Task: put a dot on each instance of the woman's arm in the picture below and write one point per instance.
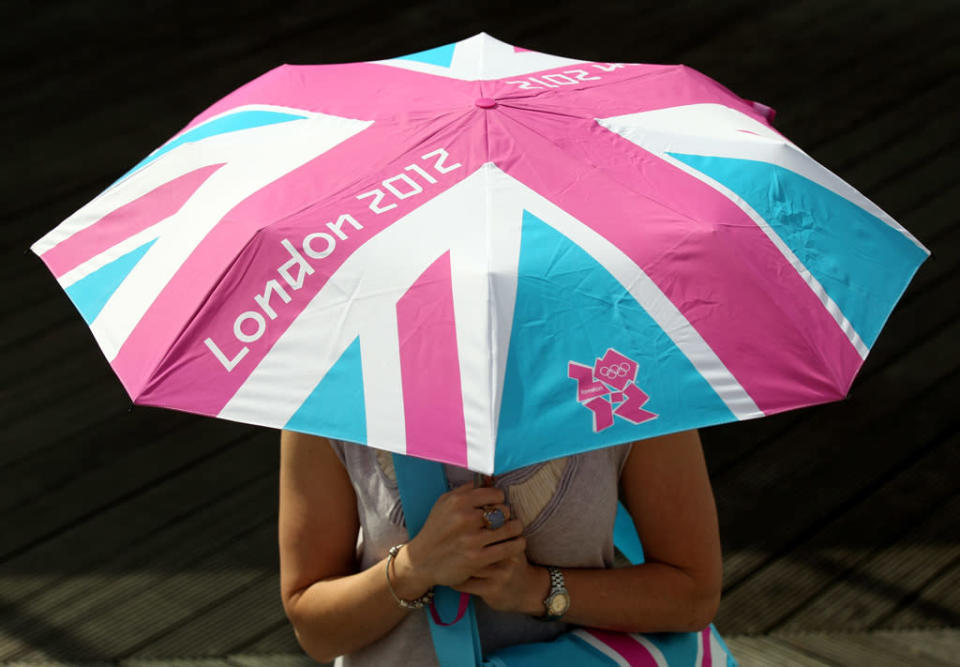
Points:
(666, 488)
(667, 491)
(333, 608)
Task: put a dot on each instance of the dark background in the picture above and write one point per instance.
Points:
(150, 533)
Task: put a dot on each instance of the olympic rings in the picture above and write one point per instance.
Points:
(615, 370)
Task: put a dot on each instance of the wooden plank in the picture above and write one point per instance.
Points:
(94, 400)
(37, 285)
(767, 651)
(860, 78)
(933, 217)
(800, 590)
(50, 423)
(37, 319)
(25, 480)
(225, 627)
(744, 61)
(726, 446)
(36, 374)
(63, 377)
(32, 367)
(114, 528)
(889, 123)
(97, 416)
(176, 662)
(941, 644)
(276, 660)
(929, 179)
(858, 72)
(882, 77)
(118, 629)
(876, 586)
(54, 663)
(681, 31)
(128, 475)
(45, 615)
(905, 155)
(834, 454)
(936, 605)
(862, 649)
(281, 639)
(252, 28)
(35, 64)
(57, 335)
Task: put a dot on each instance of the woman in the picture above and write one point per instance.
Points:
(560, 514)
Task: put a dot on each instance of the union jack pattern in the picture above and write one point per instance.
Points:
(413, 253)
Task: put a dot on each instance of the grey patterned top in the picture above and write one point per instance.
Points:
(567, 505)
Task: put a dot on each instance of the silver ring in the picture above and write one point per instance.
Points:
(494, 518)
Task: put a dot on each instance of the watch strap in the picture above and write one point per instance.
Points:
(557, 587)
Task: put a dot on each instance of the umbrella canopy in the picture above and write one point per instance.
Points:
(483, 255)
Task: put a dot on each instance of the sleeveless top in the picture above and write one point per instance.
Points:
(567, 506)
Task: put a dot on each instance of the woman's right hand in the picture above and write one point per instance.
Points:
(455, 543)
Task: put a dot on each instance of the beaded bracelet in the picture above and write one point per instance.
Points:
(421, 601)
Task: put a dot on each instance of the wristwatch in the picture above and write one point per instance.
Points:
(558, 600)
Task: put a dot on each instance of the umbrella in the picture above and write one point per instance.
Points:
(483, 255)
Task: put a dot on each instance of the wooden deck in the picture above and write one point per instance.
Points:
(149, 536)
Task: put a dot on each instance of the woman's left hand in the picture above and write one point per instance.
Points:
(513, 584)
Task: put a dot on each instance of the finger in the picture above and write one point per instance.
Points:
(471, 586)
(489, 571)
(509, 530)
(484, 495)
(504, 550)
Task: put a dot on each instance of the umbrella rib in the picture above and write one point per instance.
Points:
(598, 168)
(661, 70)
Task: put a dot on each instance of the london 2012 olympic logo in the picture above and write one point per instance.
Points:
(609, 388)
(614, 371)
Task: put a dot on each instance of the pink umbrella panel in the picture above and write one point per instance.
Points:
(483, 255)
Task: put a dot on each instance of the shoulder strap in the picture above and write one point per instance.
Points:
(457, 643)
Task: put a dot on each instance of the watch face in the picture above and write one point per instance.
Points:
(559, 603)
